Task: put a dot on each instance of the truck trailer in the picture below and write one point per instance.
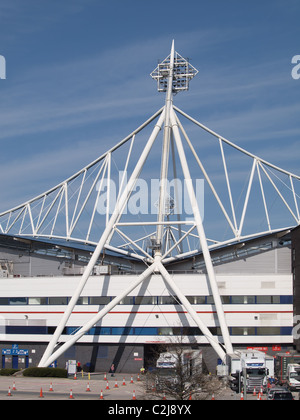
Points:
(251, 367)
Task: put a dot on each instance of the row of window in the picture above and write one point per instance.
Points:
(147, 300)
(148, 331)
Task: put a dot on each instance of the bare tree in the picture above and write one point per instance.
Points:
(184, 378)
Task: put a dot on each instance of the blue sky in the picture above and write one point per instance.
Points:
(78, 79)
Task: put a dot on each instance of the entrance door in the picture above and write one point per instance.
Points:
(15, 362)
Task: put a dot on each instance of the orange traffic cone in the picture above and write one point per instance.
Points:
(71, 395)
(190, 397)
(107, 386)
(131, 380)
(51, 387)
(101, 395)
(124, 383)
(254, 392)
(213, 397)
(75, 376)
(88, 389)
(9, 392)
(14, 387)
(133, 396)
(41, 393)
(105, 378)
(138, 378)
(116, 384)
(242, 396)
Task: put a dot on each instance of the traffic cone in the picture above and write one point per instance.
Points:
(105, 378)
(138, 378)
(131, 380)
(41, 393)
(101, 395)
(14, 387)
(190, 397)
(133, 396)
(242, 396)
(116, 384)
(71, 395)
(258, 397)
(88, 389)
(107, 386)
(254, 392)
(123, 382)
(75, 376)
(51, 387)
(213, 397)
(9, 392)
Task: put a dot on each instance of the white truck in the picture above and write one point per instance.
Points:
(293, 377)
(255, 368)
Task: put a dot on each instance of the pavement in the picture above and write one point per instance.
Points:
(99, 386)
(81, 388)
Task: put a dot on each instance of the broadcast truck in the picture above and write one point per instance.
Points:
(249, 370)
(168, 363)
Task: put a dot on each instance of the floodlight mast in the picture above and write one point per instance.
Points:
(172, 76)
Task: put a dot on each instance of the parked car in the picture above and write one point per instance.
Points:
(280, 394)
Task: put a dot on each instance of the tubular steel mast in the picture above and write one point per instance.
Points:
(172, 76)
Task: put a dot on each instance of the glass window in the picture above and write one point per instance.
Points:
(268, 331)
(128, 300)
(286, 300)
(58, 301)
(145, 331)
(4, 301)
(225, 299)
(165, 331)
(37, 301)
(18, 301)
(196, 300)
(243, 331)
(99, 300)
(263, 299)
(83, 300)
(168, 300)
(145, 300)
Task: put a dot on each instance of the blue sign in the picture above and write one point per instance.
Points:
(15, 352)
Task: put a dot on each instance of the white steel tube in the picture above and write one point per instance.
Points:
(165, 152)
(211, 339)
(85, 328)
(202, 237)
(119, 208)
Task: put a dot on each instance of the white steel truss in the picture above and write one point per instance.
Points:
(70, 210)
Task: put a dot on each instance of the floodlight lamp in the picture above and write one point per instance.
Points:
(182, 73)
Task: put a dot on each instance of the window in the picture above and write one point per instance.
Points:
(168, 300)
(243, 331)
(128, 300)
(99, 300)
(83, 300)
(58, 301)
(18, 301)
(146, 300)
(196, 300)
(37, 301)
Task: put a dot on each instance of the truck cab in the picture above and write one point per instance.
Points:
(293, 377)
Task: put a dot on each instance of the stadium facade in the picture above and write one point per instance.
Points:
(256, 280)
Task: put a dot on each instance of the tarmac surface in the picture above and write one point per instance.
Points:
(121, 387)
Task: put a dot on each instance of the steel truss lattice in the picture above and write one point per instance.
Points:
(70, 210)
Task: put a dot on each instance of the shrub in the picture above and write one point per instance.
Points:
(8, 372)
(46, 372)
